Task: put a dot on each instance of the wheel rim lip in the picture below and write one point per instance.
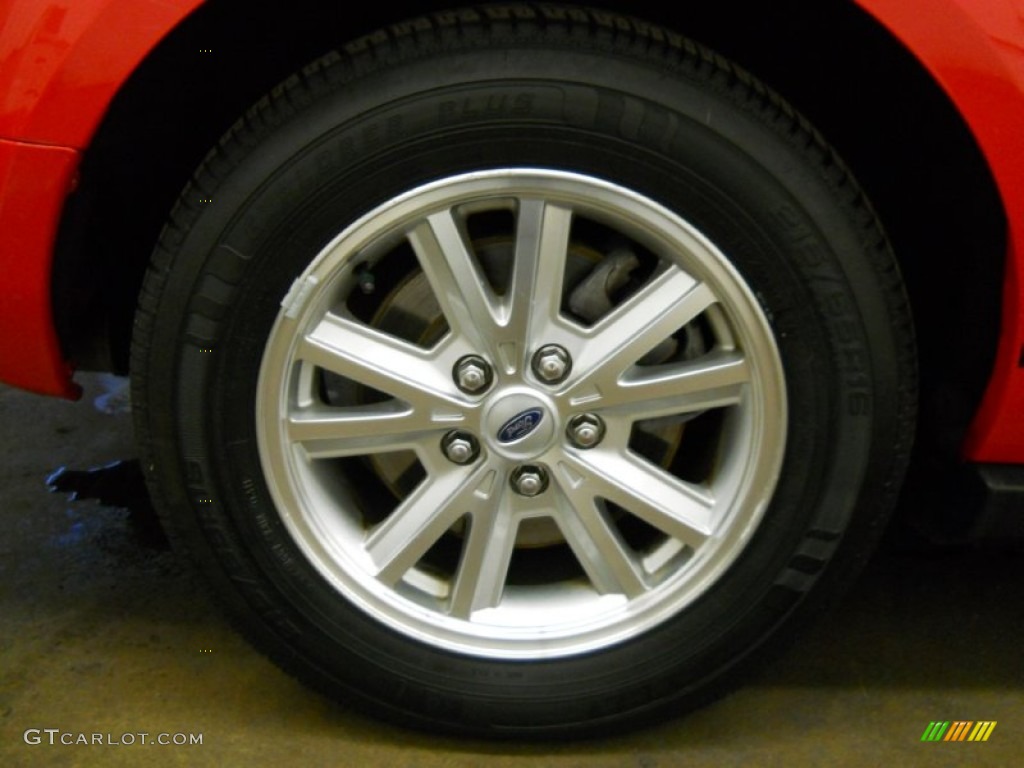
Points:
(601, 621)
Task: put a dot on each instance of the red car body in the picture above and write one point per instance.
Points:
(63, 62)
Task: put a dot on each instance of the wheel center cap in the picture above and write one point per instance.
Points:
(519, 424)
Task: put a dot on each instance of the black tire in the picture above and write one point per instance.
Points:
(664, 152)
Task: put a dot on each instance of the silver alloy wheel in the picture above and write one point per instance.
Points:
(640, 532)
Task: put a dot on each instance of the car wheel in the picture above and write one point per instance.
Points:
(523, 370)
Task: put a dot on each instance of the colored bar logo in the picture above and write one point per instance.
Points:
(959, 730)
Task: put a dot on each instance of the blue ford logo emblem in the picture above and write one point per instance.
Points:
(520, 425)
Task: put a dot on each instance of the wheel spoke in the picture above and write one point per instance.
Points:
(325, 432)
(542, 244)
(714, 381)
(378, 360)
(461, 289)
(678, 509)
(501, 326)
(598, 546)
(661, 308)
(398, 543)
(486, 555)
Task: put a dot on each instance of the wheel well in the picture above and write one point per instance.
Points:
(898, 131)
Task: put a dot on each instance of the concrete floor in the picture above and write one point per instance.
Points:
(103, 630)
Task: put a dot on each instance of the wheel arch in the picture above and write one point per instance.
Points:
(204, 74)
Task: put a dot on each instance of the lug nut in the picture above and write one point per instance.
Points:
(460, 447)
(529, 480)
(472, 374)
(585, 430)
(552, 363)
